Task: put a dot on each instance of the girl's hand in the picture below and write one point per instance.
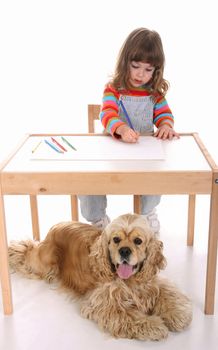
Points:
(127, 134)
(166, 132)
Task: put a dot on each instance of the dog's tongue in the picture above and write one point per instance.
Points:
(124, 271)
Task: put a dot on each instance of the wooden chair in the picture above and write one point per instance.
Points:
(93, 114)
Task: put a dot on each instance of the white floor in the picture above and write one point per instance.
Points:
(47, 319)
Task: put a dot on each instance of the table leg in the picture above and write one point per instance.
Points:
(137, 204)
(4, 268)
(74, 207)
(191, 219)
(212, 248)
(35, 217)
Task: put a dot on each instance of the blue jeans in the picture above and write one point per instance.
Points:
(93, 208)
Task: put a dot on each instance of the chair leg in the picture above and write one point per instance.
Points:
(35, 217)
(191, 219)
(74, 207)
(137, 204)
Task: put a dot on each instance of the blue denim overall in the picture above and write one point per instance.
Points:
(140, 111)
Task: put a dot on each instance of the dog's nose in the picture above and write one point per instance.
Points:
(125, 252)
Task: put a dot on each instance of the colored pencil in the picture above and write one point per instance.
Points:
(38, 144)
(68, 143)
(53, 147)
(58, 144)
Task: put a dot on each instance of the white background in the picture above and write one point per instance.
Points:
(56, 56)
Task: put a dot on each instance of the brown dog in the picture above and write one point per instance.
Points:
(114, 273)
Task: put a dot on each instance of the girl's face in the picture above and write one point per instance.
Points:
(140, 73)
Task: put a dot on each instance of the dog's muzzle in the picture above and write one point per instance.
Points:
(124, 269)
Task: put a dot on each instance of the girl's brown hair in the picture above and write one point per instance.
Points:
(142, 45)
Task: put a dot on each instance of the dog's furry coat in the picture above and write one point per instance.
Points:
(114, 273)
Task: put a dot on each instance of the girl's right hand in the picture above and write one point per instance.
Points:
(127, 134)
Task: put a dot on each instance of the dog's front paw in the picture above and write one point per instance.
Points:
(178, 321)
(153, 328)
(178, 318)
(173, 306)
(145, 328)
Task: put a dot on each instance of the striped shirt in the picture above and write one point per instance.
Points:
(110, 116)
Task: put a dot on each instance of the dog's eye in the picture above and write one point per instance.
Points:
(116, 239)
(137, 241)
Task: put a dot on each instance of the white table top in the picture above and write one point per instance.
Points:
(181, 154)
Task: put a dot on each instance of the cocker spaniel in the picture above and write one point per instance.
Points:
(114, 273)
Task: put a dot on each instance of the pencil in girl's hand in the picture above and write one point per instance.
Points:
(38, 144)
(68, 143)
(58, 144)
(126, 115)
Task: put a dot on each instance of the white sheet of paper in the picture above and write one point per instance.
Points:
(100, 148)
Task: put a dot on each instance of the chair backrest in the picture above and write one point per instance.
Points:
(93, 114)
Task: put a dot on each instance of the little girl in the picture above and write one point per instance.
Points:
(136, 92)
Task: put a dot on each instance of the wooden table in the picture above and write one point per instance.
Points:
(187, 169)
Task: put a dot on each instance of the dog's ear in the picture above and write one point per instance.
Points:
(154, 252)
(154, 260)
(99, 259)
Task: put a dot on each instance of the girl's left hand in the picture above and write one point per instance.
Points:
(166, 132)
